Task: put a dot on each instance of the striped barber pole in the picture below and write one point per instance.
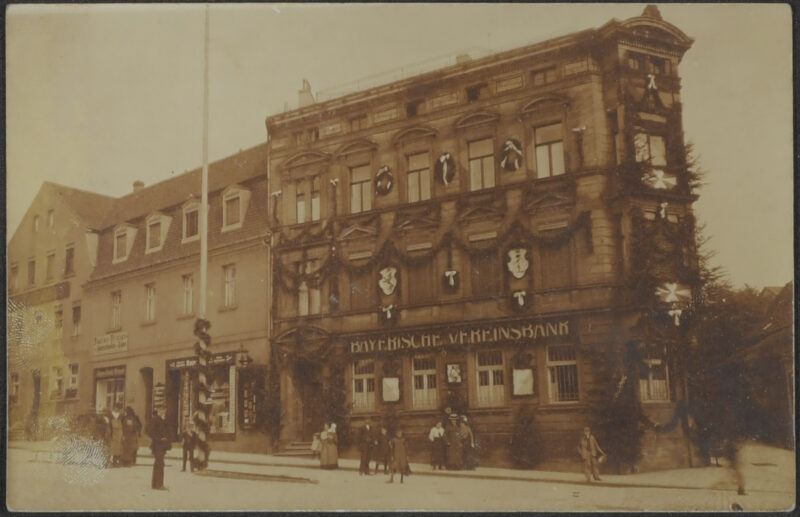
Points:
(201, 416)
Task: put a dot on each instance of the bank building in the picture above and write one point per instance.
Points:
(464, 242)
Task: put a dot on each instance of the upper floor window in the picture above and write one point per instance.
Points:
(57, 382)
(360, 189)
(481, 164)
(31, 272)
(76, 320)
(421, 282)
(419, 177)
(188, 294)
(229, 285)
(58, 320)
(658, 66)
(191, 222)
(485, 273)
(150, 302)
(49, 265)
(157, 229)
(234, 206)
(635, 61)
(556, 264)
(359, 122)
(562, 367)
(116, 310)
(412, 108)
(650, 149)
(51, 218)
(35, 223)
(362, 290)
(549, 145)
(653, 377)
(543, 76)
(14, 283)
(309, 299)
(69, 260)
(305, 189)
(491, 378)
(476, 92)
(124, 236)
(154, 235)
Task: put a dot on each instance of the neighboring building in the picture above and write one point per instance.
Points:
(50, 257)
(463, 241)
(143, 300)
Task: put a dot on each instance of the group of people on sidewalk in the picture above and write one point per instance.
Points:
(453, 447)
(120, 431)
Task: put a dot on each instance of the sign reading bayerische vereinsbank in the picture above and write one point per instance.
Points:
(454, 335)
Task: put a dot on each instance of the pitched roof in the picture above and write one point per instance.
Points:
(91, 207)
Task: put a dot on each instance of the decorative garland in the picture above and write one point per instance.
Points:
(445, 169)
(384, 180)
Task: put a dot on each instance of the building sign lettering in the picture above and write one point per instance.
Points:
(470, 335)
(190, 362)
(110, 343)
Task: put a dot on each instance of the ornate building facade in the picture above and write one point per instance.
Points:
(500, 233)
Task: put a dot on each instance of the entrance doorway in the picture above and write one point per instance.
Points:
(308, 378)
(147, 382)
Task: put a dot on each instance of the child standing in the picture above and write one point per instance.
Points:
(189, 439)
(399, 457)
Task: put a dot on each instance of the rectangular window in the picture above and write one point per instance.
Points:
(57, 382)
(476, 92)
(358, 123)
(364, 385)
(300, 201)
(69, 260)
(72, 382)
(481, 164)
(58, 321)
(232, 208)
(50, 264)
(362, 290)
(191, 223)
(491, 379)
(14, 391)
(229, 285)
(650, 149)
(360, 189)
(309, 299)
(653, 378)
(420, 282)
(116, 310)
(76, 320)
(154, 235)
(35, 223)
(188, 294)
(549, 145)
(14, 283)
(556, 264)
(425, 392)
(634, 61)
(31, 272)
(150, 302)
(120, 244)
(543, 76)
(419, 177)
(562, 367)
(485, 273)
(315, 198)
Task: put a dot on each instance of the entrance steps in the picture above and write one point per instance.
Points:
(297, 449)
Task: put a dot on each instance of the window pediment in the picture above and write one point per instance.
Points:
(304, 158)
(413, 133)
(648, 27)
(476, 118)
(545, 103)
(356, 146)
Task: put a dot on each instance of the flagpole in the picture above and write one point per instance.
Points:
(204, 185)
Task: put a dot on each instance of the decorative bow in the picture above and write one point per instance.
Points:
(673, 292)
(334, 181)
(676, 315)
(651, 85)
(443, 159)
(451, 276)
(520, 296)
(388, 311)
(277, 193)
(508, 149)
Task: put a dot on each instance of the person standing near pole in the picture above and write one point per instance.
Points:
(159, 445)
(591, 453)
(366, 444)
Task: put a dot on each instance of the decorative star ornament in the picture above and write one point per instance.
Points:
(658, 179)
(673, 293)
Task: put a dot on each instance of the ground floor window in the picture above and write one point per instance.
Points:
(425, 393)
(364, 385)
(562, 366)
(251, 397)
(491, 378)
(223, 394)
(653, 377)
(109, 386)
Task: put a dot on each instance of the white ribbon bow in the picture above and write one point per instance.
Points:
(443, 158)
(520, 296)
(451, 276)
(676, 314)
(651, 85)
(388, 311)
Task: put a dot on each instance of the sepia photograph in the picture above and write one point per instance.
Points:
(476, 257)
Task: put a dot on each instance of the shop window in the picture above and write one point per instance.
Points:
(562, 367)
(481, 164)
(76, 320)
(653, 377)
(49, 266)
(650, 149)
(485, 273)
(13, 396)
(116, 310)
(188, 294)
(229, 285)
(309, 299)
(150, 302)
(543, 76)
(191, 222)
(56, 382)
(491, 379)
(549, 146)
(421, 282)
(419, 177)
(69, 260)
(31, 272)
(13, 285)
(251, 398)
(556, 263)
(425, 393)
(362, 290)
(364, 385)
(360, 189)
(72, 382)
(223, 388)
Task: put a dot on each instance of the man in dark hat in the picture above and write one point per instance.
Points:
(160, 444)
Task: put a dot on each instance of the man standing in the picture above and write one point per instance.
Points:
(591, 453)
(189, 440)
(159, 445)
(366, 442)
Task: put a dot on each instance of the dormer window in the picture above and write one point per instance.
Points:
(191, 222)
(157, 227)
(234, 205)
(123, 240)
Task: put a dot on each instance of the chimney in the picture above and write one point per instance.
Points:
(463, 58)
(138, 185)
(306, 98)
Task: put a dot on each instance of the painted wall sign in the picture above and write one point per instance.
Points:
(191, 362)
(530, 330)
(110, 343)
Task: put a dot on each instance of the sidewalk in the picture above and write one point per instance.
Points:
(768, 469)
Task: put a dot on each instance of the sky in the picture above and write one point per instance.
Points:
(100, 96)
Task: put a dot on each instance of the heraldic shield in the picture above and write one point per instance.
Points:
(388, 280)
(517, 263)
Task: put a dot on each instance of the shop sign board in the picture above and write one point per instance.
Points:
(111, 343)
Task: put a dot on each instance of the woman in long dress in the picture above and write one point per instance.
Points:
(455, 447)
(399, 456)
(130, 437)
(436, 437)
(329, 455)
